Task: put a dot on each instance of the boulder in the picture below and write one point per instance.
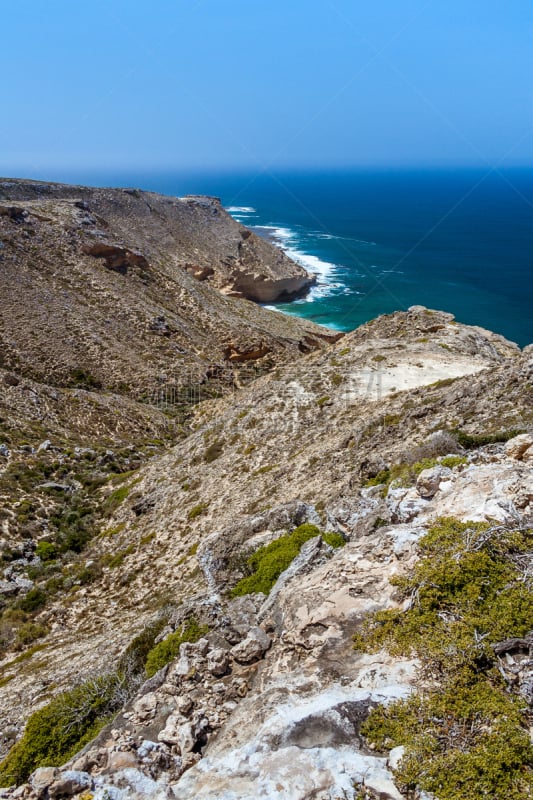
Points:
(179, 732)
(405, 504)
(252, 647)
(42, 778)
(8, 588)
(382, 786)
(395, 756)
(518, 446)
(145, 707)
(429, 480)
(218, 662)
(69, 783)
(14, 213)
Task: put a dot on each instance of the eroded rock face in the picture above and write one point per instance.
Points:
(116, 257)
(263, 289)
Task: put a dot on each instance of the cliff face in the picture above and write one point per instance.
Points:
(369, 439)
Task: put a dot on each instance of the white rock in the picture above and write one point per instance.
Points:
(218, 662)
(184, 704)
(146, 747)
(250, 649)
(382, 785)
(395, 756)
(186, 738)
(146, 705)
(201, 647)
(405, 504)
(169, 734)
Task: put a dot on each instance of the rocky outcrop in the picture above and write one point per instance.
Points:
(117, 258)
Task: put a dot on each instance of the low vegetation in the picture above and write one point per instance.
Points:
(465, 734)
(68, 492)
(405, 474)
(164, 652)
(197, 511)
(268, 562)
(470, 441)
(56, 732)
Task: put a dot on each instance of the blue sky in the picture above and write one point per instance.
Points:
(165, 84)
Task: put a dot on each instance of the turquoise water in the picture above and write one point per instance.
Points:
(381, 241)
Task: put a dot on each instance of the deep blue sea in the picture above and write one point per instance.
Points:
(380, 241)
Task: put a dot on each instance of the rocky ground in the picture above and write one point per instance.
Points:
(373, 437)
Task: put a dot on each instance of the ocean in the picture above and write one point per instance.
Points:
(382, 240)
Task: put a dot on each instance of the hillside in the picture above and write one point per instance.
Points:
(132, 291)
(128, 529)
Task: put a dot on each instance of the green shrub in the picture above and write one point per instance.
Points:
(114, 560)
(82, 378)
(214, 451)
(116, 498)
(465, 735)
(453, 461)
(470, 441)
(29, 632)
(383, 477)
(56, 732)
(405, 475)
(46, 551)
(196, 511)
(136, 653)
(32, 601)
(168, 649)
(334, 539)
(268, 562)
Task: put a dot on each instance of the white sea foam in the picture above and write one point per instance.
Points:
(279, 235)
(325, 271)
(241, 210)
(327, 236)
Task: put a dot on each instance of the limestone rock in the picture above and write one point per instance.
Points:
(405, 504)
(218, 662)
(42, 778)
(429, 480)
(382, 786)
(252, 648)
(519, 446)
(395, 756)
(69, 783)
(146, 705)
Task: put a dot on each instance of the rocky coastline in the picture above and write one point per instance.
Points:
(186, 585)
